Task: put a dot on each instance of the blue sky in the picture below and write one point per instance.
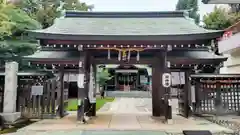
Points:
(142, 5)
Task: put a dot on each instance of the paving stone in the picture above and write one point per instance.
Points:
(120, 132)
(123, 114)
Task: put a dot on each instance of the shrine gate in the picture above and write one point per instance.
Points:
(168, 41)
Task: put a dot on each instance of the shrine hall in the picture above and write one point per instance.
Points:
(167, 41)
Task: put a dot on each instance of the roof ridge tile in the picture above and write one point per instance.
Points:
(148, 14)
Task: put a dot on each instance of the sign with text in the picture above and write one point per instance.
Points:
(37, 90)
(80, 81)
(166, 80)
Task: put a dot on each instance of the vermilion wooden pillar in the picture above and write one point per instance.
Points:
(158, 68)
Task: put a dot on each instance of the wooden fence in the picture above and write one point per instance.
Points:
(217, 95)
(31, 103)
(38, 105)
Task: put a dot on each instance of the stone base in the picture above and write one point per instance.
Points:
(169, 121)
(48, 116)
(11, 117)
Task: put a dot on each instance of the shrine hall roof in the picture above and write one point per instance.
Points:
(125, 26)
(56, 55)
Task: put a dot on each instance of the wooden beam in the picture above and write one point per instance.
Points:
(116, 61)
(123, 42)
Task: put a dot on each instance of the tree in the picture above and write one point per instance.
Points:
(46, 11)
(12, 43)
(191, 6)
(21, 20)
(5, 23)
(103, 76)
(220, 19)
(75, 5)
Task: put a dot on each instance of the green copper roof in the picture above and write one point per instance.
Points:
(124, 26)
(123, 23)
(56, 55)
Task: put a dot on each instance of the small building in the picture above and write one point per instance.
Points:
(128, 77)
(229, 45)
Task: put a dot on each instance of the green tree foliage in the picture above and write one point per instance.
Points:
(14, 48)
(21, 20)
(46, 11)
(220, 19)
(17, 21)
(191, 6)
(5, 22)
(103, 76)
(75, 5)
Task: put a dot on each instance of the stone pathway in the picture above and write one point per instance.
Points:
(131, 114)
(129, 94)
(128, 106)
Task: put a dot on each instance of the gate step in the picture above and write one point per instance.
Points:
(197, 132)
(129, 94)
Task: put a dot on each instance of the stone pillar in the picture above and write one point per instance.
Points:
(157, 89)
(10, 92)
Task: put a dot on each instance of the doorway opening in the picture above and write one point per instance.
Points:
(72, 90)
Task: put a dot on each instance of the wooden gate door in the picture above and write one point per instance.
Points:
(183, 101)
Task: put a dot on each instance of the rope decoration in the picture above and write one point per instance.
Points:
(123, 52)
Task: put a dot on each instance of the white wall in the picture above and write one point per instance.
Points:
(232, 65)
